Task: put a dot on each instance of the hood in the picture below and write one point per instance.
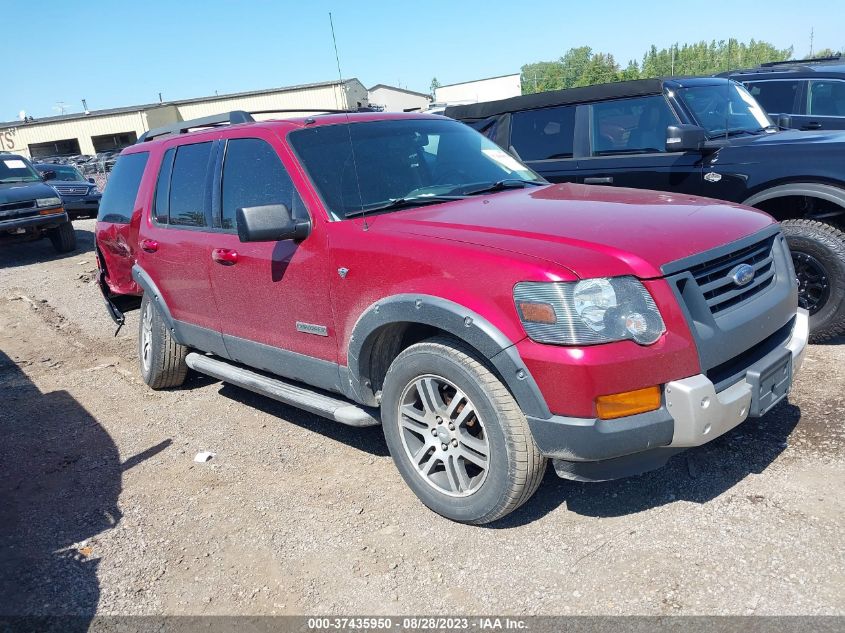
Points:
(23, 191)
(812, 138)
(592, 231)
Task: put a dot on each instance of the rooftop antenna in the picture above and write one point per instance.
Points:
(60, 107)
(348, 126)
(85, 106)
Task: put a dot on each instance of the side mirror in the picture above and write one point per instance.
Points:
(784, 121)
(92, 181)
(685, 138)
(48, 175)
(270, 223)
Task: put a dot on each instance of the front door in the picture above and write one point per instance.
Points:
(273, 297)
(627, 148)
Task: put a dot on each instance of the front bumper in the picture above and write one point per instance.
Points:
(33, 222)
(81, 203)
(693, 413)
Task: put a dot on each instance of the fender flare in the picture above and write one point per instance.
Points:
(831, 193)
(460, 322)
(149, 287)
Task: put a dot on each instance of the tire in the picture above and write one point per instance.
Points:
(63, 238)
(486, 417)
(818, 251)
(162, 359)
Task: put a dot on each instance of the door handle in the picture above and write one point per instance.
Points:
(812, 125)
(149, 246)
(225, 256)
(600, 180)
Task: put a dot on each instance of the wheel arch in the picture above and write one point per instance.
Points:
(150, 288)
(830, 194)
(391, 325)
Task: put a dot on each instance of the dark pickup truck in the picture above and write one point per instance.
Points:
(29, 208)
(701, 136)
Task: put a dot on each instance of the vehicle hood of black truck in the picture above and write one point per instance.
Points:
(24, 191)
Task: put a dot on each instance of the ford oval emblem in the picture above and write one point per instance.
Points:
(742, 274)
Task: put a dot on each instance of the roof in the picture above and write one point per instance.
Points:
(569, 96)
(397, 89)
(818, 65)
(474, 81)
(150, 106)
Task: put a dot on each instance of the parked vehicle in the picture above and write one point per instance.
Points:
(403, 270)
(703, 136)
(809, 93)
(29, 208)
(80, 196)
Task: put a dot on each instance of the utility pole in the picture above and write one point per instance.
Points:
(812, 34)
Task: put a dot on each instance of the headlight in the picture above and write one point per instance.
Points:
(93, 191)
(588, 312)
(48, 202)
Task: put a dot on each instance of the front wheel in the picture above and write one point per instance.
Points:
(63, 238)
(456, 434)
(818, 253)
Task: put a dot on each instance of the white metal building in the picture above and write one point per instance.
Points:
(489, 89)
(102, 130)
(394, 99)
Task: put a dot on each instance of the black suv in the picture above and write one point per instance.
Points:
(702, 136)
(811, 93)
(29, 207)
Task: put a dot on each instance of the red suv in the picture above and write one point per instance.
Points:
(403, 270)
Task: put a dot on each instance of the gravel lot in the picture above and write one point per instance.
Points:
(102, 509)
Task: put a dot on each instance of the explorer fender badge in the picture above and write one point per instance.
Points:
(712, 176)
(310, 328)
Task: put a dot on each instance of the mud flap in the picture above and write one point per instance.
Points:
(118, 304)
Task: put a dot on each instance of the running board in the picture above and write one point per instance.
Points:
(327, 406)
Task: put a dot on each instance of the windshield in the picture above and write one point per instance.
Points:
(64, 173)
(16, 169)
(725, 109)
(369, 165)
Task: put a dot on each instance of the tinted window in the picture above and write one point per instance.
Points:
(253, 176)
(777, 97)
(543, 134)
(119, 196)
(826, 98)
(631, 126)
(187, 185)
(162, 200)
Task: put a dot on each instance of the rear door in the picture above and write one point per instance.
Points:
(544, 139)
(824, 106)
(175, 244)
(627, 147)
(273, 297)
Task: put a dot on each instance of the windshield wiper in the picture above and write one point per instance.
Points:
(501, 185)
(402, 203)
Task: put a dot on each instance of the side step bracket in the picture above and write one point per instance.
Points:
(330, 407)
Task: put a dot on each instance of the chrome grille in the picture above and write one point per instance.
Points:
(71, 190)
(719, 289)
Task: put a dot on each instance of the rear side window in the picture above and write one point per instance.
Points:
(776, 97)
(826, 98)
(188, 185)
(544, 134)
(162, 200)
(253, 175)
(631, 126)
(118, 200)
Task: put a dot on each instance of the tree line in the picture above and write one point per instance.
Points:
(582, 66)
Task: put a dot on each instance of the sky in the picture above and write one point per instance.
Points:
(119, 53)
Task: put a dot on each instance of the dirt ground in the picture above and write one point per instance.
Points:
(103, 510)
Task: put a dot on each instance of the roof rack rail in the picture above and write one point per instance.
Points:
(321, 110)
(181, 127)
(802, 62)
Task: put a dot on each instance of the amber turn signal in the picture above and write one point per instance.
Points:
(535, 312)
(51, 211)
(618, 405)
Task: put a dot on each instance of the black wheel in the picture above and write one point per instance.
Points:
(818, 252)
(456, 434)
(162, 359)
(63, 238)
